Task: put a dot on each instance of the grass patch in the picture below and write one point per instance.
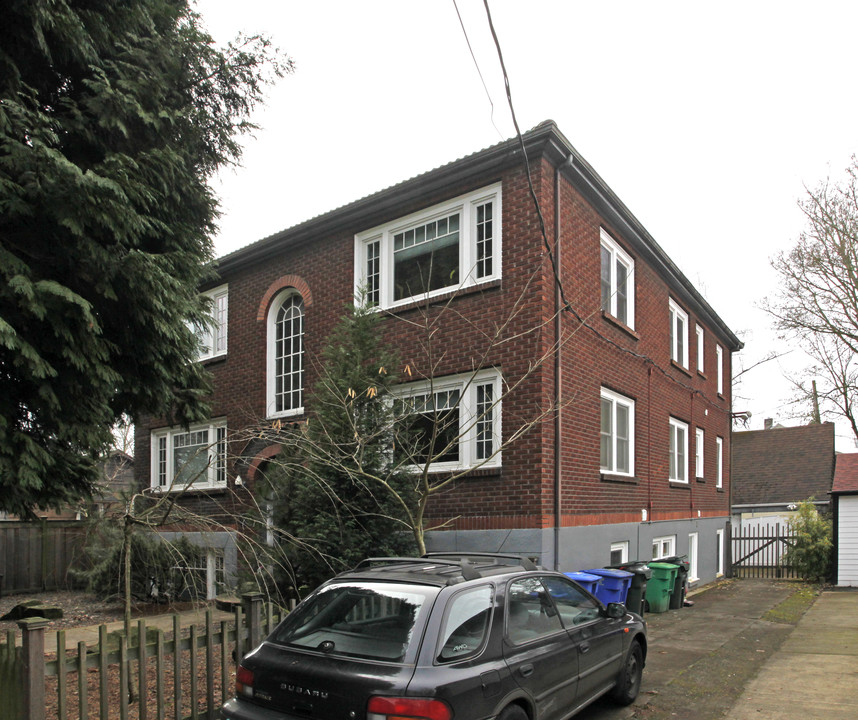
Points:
(789, 611)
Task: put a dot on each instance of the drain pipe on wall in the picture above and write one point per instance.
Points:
(558, 368)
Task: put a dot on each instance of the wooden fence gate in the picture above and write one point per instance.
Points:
(760, 552)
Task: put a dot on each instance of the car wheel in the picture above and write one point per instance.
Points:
(629, 681)
(513, 712)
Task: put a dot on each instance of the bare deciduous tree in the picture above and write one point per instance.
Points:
(817, 303)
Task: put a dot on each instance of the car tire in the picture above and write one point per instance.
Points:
(629, 680)
(513, 712)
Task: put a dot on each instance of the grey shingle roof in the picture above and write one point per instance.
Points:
(783, 465)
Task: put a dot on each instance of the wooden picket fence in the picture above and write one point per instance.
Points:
(186, 673)
(759, 552)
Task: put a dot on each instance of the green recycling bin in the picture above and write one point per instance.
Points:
(660, 586)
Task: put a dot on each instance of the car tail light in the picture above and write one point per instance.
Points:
(244, 682)
(388, 708)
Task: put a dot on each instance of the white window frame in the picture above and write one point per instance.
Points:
(213, 338)
(271, 357)
(699, 440)
(719, 360)
(692, 557)
(163, 447)
(470, 419)
(663, 547)
(618, 255)
(719, 462)
(374, 265)
(678, 451)
(678, 354)
(719, 545)
(698, 330)
(617, 399)
(621, 547)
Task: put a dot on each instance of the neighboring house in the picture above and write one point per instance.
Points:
(844, 499)
(777, 468)
(635, 465)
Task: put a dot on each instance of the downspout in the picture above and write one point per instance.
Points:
(558, 367)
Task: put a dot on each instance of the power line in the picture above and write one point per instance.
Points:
(479, 72)
(567, 306)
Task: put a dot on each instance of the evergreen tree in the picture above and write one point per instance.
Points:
(113, 117)
(337, 495)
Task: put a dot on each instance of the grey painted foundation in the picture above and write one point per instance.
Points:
(581, 548)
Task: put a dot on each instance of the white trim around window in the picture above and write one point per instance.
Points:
(616, 434)
(472, 405)
(619, 552)
(678, 333)
(692, 557)
(698, 330)
(719, 361)
(617, 280)
(698, 453)
(192, 458)
(719, 460)
(678, 471)
(719, 549)
(452, 245)
(213, 337)
(663, 547)
(285, 356)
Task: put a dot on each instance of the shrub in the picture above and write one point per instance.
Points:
(812, 550)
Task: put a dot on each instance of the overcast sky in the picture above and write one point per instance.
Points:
(707, 119)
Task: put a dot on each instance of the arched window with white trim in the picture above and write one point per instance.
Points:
(285, 372)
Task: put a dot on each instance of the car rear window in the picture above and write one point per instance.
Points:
(375, 621)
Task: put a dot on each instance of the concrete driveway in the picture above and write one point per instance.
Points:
(747, 649)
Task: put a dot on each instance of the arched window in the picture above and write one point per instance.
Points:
(286, 355)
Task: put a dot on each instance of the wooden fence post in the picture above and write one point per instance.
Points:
(33, 667)
(252, 603)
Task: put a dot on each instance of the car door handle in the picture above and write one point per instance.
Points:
(584, 647)
(526, 670)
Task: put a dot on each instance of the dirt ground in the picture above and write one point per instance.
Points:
(81, 608)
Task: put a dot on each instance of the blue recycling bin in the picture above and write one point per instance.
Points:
(586, 580)
(614, 586)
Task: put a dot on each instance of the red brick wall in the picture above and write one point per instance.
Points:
(522, 302)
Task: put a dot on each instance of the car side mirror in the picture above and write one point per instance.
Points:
(615, 610)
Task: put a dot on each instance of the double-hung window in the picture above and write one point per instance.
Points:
(699, 333)
(698, 453)
(189, 458)
(212, 337)
(678, 334)
(618, 289)
(450, 423)
(719, 360)
(719, 462)
(452, 245)
(678, 451)
(616, 434)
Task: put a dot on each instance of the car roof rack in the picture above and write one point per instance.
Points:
(450, 568)
(467, 569)
(524, 562)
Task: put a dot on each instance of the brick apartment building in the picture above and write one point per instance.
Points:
(634, 463)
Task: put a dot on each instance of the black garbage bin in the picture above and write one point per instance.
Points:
(680, 588)
(636, 598)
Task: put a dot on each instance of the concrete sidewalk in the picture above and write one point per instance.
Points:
(814, 673)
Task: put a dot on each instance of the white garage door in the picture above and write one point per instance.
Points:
(847, 550)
